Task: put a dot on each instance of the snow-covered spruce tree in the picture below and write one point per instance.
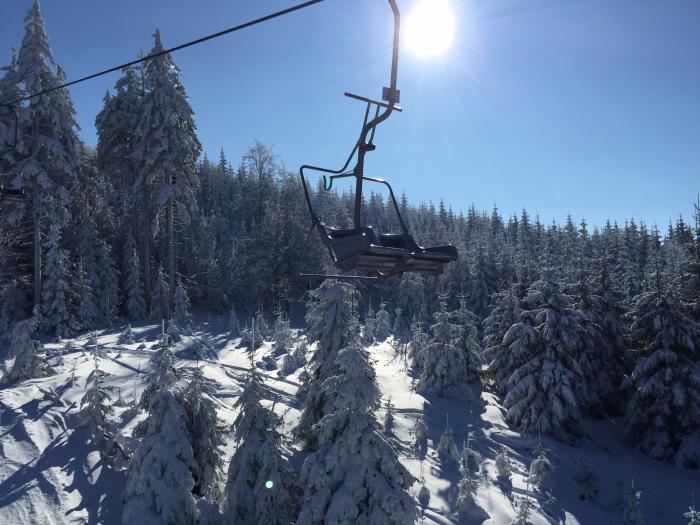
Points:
(411, 297)
(46, 157)
(163, 374)
(416, 347)
(468, 486)
(260, 488)
(127, 336)
(28, 363)
(445, 367)
(586, 481)
(87, 310)
(601, 354)
(382, 326)
(206, 436)
(546, 392)
(631, 513)
(524, 509)
(466, 339)
(295, 360)
(665, 393)
(96, 407)
(261, 326)
(368, 328)
(107, 289)
(159, 479)
(160, 303)
(502, 361)
(330, 320)
(503, 467)
(57, 297)
(540, 471)
(282, 335)
(166, 152)
(389, 418)
(447, 448)
(135, 297)
(420, 434)
(181, 309)
(354, 475)
(234, 325)
(693, 516)
(399, 328)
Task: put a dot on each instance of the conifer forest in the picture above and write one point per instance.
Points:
(165, 356)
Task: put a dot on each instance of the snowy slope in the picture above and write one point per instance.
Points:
(49, 473)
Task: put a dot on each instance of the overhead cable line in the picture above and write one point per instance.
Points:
(233, 29)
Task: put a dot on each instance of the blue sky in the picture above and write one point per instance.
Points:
(583, 107)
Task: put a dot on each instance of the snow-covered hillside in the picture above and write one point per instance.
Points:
(51, 473)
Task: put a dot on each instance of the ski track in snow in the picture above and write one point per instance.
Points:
(49, 473)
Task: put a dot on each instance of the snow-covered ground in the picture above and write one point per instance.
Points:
(49, 472)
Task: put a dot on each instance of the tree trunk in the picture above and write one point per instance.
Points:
(147, 245)
(171, 252)
(36, 216)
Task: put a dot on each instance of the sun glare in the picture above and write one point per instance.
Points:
(430, 28)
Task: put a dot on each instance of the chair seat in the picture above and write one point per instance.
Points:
(388, 254)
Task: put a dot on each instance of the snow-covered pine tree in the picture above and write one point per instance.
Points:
(445, 367)
(166, 151)
(127, 336)
(87, 310)
(135, 297)
(420, 434)
(207, 437)
(416, 346)
(96, 407)
(295, 360)
(503, 467)
(693, 516)
(447, 448)
(466, 339)
(57, 297)
(160, 303)
(411, 297)
(665, 394)
(162, 376)
(46, 157)
(260, 488)
(181, 309)
(382, 326)
(159, 480)
(502, 361)
(330, 319)
(354, 475)
(601, 355)
(399, 328)
(468, 486)
(546, 392)
(540, 471)
(282, 335)
(586, 481)
(107, 289)
(368, 328)
(524, 509)
(389, 418)
(261, 326)
(631, 513)
(234, 325)
(28, 363)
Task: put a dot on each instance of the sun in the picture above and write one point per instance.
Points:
(430, 28)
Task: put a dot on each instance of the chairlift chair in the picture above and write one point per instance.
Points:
(361, 248)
